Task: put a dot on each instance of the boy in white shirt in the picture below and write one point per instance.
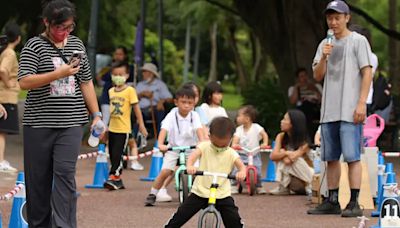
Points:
(182, 126)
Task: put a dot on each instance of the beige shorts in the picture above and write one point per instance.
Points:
(171, 160)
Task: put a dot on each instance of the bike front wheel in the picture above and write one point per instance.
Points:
(210, 220)
(183, 187)
(252, 182)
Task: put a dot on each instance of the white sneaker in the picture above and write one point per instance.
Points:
(234, 189)
(135, 165)
(162, 196)
(7, 168)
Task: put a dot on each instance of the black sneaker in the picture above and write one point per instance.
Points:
(111, 184)
(326, 208)
(352, 210)
(150, 200)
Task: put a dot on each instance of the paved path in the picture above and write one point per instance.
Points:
(125, 208)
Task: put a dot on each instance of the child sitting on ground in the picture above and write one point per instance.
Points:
(122, 99)
(215, 156)
(294, 170)
(182, 126)
(248, 135)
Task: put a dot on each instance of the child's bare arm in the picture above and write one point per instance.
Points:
(161, 140)
(264, 137)
(241, 174)
(139, 117)
(235, 140)
(200, 134)
(191, 160)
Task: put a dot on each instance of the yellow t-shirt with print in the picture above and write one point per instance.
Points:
(213, 161)
(120, 109)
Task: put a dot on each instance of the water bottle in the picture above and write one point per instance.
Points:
(93, 140)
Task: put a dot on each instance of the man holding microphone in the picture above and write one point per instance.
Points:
(343, 60)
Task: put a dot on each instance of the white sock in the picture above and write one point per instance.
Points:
(154, 191)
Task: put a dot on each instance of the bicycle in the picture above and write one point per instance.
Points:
(183, 182)
(210, 216)
(251, 170)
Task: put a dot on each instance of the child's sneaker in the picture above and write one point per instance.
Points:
(114, 183)
(150, 200)
(162, 196)
(261, 191)
(6, 167)
(135, 165)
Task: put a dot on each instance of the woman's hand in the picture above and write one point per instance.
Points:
(143, 130)
(67, 69)
(3, 112)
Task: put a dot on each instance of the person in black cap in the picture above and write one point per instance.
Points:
(343, 60)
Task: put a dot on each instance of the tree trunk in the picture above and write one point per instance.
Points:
(187, 52)
(240, 69)
(393, 49)
(196, 57)
(289, 31)
(257, 58)
(213, 60)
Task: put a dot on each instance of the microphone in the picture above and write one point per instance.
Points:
(329, 36)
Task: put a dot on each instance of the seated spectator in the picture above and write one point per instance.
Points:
(294, 169)
(153, 94)
(306, 96)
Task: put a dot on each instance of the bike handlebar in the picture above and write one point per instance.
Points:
(214, 174)
(238, 147)
(181, 148)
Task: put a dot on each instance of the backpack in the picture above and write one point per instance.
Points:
(381, 96)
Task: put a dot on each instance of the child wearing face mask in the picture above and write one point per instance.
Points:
(183, 126)
(215, 156)
(122, 99)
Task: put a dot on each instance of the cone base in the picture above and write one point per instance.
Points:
(94, 186)
(147, 178)
(375, 213)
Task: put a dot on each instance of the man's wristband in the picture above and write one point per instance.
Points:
(95, 114)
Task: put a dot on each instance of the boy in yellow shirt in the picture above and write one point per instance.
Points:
(215, 156)
(122, 99)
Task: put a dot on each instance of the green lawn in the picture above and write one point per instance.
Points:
(232, 99)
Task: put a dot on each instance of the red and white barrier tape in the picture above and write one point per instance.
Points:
(10, 194)
(88, 155)
(395, 190)
(141, 155)
(391, 154)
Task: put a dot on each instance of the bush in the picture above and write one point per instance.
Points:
(267, 97)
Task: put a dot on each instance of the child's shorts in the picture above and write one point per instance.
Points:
(171, 160)
(341, 137)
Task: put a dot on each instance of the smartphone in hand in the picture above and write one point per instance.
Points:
(76, 57)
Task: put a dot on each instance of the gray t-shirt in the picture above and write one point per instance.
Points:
(342, 84)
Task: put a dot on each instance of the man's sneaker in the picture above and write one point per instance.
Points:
(280, 191)
(234, 189)
(352, 210)
(261, 191)
(326, 208)
(162, 196)
(150, 200)
(135, 165)
(6, 167)
(113, 183)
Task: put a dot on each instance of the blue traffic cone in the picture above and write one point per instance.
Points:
(1, 222)
(388, 198)
(101, 170)
(381, 171)
(270, 171)
(18, 218)
(388, 171)
(156, 164)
